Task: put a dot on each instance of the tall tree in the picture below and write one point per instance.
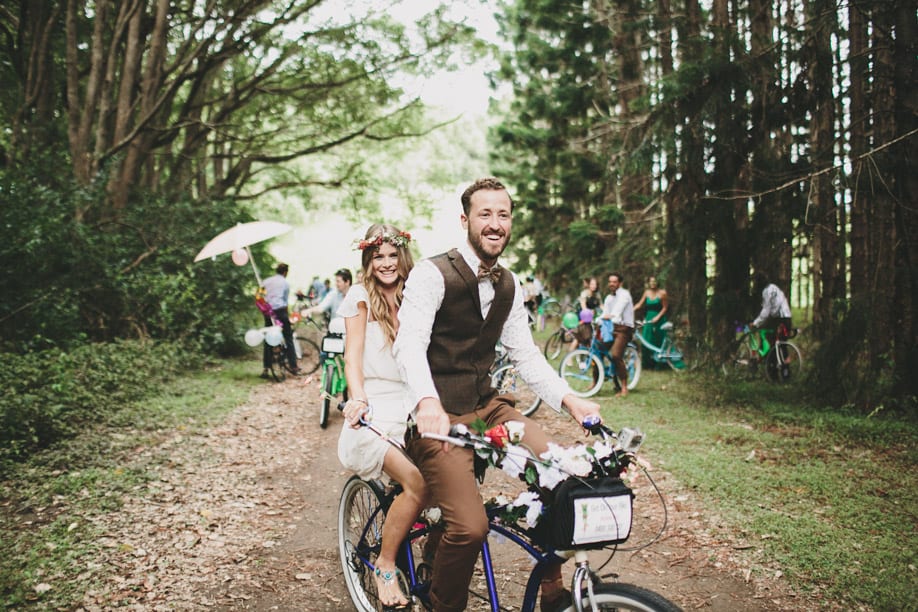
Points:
(207, 96)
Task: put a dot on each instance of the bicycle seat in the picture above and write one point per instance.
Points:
(667, 326)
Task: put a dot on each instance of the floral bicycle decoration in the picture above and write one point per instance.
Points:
(574, 496)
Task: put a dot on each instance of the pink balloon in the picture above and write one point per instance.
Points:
(240, 257)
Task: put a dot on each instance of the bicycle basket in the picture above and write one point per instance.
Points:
(590, 513)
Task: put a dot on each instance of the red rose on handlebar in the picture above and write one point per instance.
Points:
(498, 436)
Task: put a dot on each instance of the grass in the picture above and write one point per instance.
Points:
(48, 505)
(828, 494)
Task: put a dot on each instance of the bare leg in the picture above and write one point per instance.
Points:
(401, 516)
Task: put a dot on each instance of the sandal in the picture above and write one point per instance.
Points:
(389, 589)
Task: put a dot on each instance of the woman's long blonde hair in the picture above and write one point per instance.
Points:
(379, 308)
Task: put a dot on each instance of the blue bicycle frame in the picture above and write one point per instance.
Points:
(420, 589)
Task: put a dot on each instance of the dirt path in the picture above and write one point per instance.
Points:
(242, 517)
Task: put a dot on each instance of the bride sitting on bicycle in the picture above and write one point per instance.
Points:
(377, 392)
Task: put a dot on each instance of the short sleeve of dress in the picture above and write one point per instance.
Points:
(355, 295)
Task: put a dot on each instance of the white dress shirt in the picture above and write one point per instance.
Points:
(619, 307)
(424, 292)
(774, 304)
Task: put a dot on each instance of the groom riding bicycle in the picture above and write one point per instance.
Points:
(456, 307)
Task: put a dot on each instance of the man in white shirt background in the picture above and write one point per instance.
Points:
(775, 309)
(277, 293)
(456, 306)
(619, 308)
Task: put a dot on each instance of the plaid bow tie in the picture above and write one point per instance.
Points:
(490, 273)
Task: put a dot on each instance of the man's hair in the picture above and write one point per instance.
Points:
(282, 268)
(345, 275)
(489, 183)
(621, 279)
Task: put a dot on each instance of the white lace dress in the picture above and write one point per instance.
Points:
(361, 450)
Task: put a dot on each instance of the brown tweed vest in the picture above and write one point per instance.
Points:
(461, 349)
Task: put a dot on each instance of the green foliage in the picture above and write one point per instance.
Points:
(53, 395)
(70, 273)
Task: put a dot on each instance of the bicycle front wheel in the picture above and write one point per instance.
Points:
(621, 596)
(633, 365)
(583, 372)
(507, 380)
(307, 352)
(783, 363)
(278, 367)
(741, 361)
(360, 522)
(328, 379)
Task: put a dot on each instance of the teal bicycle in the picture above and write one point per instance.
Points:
(334, 382)
(667, 352)
(587, 368)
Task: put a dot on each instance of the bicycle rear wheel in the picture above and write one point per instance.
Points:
(507, 380)
(583, 372)
(278, 367)
(621, 596)
(553, 345)
(307, 352)
(784, 366)
(360, 520)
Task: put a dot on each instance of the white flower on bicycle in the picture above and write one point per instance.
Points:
(602, 449)
(515, 429)
(561, 462)
(533, 506)
(513, 465)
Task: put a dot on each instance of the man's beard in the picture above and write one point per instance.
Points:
(478, 244)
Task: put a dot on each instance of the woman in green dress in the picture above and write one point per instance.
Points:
(655, 303)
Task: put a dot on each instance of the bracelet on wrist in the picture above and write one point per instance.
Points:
(363, 401)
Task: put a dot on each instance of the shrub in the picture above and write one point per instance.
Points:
(54, 394)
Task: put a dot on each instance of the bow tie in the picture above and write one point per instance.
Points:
(493, 274)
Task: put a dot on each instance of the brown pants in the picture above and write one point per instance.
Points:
(450, 479)
(622, 336)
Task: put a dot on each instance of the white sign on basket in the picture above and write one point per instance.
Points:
(600, 519)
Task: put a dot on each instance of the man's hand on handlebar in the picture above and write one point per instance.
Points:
(580, 407)
(431, 418)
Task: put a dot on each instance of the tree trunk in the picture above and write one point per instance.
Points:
(822, 211)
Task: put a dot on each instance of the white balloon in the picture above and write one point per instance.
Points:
(240, 257)
(274, 336)
(254, 337)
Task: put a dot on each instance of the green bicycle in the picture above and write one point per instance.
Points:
(781, 362)
(334, 382)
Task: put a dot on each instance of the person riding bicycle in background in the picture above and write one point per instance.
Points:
(332, 300)
(277, 292)
(457, 306)
(775, 309)
(655, 301)
(618, 309)
(370, 316)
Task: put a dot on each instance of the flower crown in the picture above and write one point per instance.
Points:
(400, 239)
